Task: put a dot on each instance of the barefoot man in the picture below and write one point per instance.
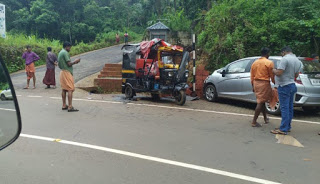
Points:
(261, 73)
(66, 76)
(30, 58)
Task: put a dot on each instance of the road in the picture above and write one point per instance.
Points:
(9, 123)
(112, 140)
(91, 62)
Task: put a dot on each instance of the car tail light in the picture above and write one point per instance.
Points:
(298, 79)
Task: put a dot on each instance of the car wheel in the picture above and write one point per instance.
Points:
(128, 91)
(181, 97)
(311, 109)
(3, 97)
(275, 111)
(210, 93)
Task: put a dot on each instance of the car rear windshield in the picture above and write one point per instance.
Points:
(310, 66)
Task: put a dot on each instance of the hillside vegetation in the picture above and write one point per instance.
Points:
(234, 29)
(226, 29)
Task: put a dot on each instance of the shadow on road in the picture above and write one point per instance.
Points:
(149, 99)
(298, 112)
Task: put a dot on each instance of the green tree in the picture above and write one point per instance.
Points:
(234, 29)
(44, 18)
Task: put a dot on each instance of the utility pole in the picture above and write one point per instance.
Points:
(194, 93)
(2, 21)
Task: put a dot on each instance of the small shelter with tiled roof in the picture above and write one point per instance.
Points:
(159, 30)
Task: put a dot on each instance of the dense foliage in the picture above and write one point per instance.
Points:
(82, 20)
(88, 24)
(227, 29)
(72, 20)
(234, 29)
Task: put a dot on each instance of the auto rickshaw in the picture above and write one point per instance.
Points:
(155, 67)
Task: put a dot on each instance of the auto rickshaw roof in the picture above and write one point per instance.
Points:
(145, 47)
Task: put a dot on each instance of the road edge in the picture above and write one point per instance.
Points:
(41, 66)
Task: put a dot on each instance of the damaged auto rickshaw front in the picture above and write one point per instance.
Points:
(155, 67)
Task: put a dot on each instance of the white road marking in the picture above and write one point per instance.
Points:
(35, 96)
(154, 159)
(99, 101)
(112, 102)
(13, 110)
(56, 98)
(186, 109)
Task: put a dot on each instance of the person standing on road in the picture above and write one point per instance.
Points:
(30, 57)
(66, 76)
(52, 61)
(117, 38)
(126, 38)
(288, 69)
(261, 73)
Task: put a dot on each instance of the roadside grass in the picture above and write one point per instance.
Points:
(12, 48)
(3, 86)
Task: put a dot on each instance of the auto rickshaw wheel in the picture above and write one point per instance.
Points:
(128, 91)
(181, 97)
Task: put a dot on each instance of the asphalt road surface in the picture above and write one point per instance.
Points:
(9, 121)
(112, 140)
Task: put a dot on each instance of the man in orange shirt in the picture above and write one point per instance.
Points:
(261, 73)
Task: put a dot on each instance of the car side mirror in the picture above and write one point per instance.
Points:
(223, 73)
(10, 119)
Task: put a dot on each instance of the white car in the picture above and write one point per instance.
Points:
(6, 94)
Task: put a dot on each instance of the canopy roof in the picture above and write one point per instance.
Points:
(158, 26)
(145, 47)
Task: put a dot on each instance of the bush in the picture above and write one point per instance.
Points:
(234, 29)
(4, 86)
(14, 45)
(178, 21)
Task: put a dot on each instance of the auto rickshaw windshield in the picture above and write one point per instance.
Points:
(170, 58)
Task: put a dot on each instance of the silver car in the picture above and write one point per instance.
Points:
(233, 82)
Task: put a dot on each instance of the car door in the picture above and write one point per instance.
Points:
(247, 93)
(231, 84)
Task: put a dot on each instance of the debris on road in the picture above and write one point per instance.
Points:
(288, 140)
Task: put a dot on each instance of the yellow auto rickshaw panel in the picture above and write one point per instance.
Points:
(128, 71)
(171, 66)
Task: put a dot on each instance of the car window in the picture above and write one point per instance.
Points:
(248, 69)
(238, 67)
(310, 67)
